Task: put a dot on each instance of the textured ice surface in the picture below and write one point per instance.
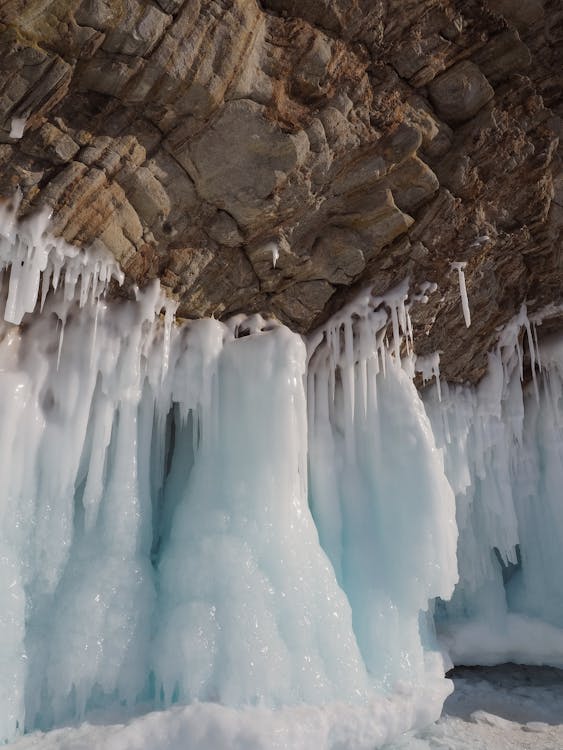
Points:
(504, 458)
(157, 541)
(372, 461)
(217, 515)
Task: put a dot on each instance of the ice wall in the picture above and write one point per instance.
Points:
(226, 516)
(156, 536)
(503, 445)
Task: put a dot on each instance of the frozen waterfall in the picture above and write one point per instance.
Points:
(503, 446)
(260, 529)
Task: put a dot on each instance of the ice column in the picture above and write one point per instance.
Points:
(250, 610)
(379, 495)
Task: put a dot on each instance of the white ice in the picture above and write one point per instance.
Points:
(157, 540)
(34, 260)
(225, 516)
(17, 127)
(503, 446)
(460, 268)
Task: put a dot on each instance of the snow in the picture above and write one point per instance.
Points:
(205, 726)
(505, 708)
(508, 707)
(515, 638)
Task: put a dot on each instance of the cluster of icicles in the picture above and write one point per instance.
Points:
(223, 513)
(36, 260)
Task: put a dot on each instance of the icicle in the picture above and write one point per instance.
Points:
(61, 337)
(409, 332)
(37, 260)
(429, 367)
(396, 334)
(94, 334)
(537, 348)
(347, 374)
(45, 284)
(170, 307)
(17, 127)
(532, 348)
(364, 354)
(520, 361)
(460, 267)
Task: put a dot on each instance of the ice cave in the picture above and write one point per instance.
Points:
(270, 540)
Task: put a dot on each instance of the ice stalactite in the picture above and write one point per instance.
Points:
(260, 618)
(157, 540)
(36, 260)
(460, 268)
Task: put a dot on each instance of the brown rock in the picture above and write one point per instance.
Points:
(243, 187)
(460, 92)
(358, 141)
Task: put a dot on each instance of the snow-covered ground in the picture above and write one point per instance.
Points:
(497, 708)
(493, 708)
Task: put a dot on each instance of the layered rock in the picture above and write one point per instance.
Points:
(278, 157)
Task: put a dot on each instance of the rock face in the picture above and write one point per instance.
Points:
(277, 157)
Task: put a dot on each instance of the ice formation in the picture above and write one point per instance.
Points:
(36, 260)
(460, 268)
(503, 446)
(225, 516)
(17, 127)
(157, 540)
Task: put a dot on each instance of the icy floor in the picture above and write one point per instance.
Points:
(493, 708)
(508, 707)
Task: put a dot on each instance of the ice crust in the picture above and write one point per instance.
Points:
(226, 516)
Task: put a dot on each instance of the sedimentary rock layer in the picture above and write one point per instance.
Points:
(278, 156)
